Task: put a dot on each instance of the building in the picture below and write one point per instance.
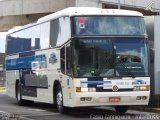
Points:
(147, 7)
(20, 12)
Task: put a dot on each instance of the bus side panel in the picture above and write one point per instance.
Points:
(51, 72)
(44, 71)
(11, 75)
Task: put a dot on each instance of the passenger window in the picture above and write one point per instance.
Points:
(63, 60)
(44, 35)
(68, 59)
(55, 30)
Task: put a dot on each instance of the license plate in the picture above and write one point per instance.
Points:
(114, 99)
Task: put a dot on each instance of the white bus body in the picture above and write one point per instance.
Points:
(54, 60)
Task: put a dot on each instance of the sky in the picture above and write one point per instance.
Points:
(2, 41)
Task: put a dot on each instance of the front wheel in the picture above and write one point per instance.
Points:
(121, 109)
(59, 100)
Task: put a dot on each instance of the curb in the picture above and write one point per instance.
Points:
(145, 109)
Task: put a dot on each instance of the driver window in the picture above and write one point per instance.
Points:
(85, 57)
(66, 59)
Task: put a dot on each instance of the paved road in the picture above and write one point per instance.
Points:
(39, 111)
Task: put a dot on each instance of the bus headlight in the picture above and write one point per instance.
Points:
(136, 88)
(141, 88)
(91, 89)
(83, 89)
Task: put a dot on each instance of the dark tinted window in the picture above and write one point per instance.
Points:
(109, 25)
(110, 57)
(63, 60)
(54, 32)
(36, 37)
(17, 44)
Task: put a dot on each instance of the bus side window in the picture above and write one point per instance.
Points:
(55, 25)
(63, 59)
(68, 59)
(66, 62)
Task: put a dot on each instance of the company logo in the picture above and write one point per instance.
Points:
(139, 82)
(115, 88)
(53, 58)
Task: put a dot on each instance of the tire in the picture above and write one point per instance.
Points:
(121, 109)
(20, 101)
(59, 101)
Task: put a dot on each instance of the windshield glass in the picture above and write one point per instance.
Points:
(108, 25)
(131, 56)
(109, 57)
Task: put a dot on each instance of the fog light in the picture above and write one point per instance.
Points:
(144, 97)
(139, 98)
(82, 98)
(88, 98)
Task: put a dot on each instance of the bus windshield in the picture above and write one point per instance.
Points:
(108, 25)
(110, 57)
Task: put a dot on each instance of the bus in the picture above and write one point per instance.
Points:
(80, 57)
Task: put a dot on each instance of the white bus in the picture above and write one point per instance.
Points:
(79, 57)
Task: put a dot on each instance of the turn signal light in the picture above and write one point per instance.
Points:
(78, 89)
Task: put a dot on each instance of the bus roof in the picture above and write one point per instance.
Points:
(73, 11)
(77, 11)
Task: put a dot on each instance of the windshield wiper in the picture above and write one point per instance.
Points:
(126, 69)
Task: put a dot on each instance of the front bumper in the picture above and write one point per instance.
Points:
(102, 98)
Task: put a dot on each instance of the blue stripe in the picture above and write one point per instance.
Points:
(95, 82)
(23, 62)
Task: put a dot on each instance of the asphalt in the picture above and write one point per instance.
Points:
(139, 108)
(145, 109)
